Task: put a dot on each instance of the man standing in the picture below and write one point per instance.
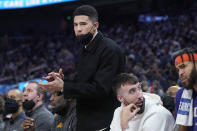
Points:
(35, 110)
(13, 107)
(186, 98)
(138, 111)
(99, 61)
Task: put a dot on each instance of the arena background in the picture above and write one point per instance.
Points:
(38, 40)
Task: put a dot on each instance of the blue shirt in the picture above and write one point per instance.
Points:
(178, 98)
(15, 124)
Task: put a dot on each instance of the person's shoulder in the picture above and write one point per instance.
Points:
(44, 113)
(118, 110)
(48, 113)
(110, 47)
(108, 42)
(45, 118)
(156, 108)
(156, 99)
(160, 112)
(57, 117)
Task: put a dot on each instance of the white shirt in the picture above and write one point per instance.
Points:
(154, 118)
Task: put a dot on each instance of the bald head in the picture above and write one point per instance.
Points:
(15, 94)
(172, 91)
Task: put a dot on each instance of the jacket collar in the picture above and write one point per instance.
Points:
(92, 46)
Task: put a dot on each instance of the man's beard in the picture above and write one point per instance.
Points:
(142, 107)
(192, 79)
(61, 108)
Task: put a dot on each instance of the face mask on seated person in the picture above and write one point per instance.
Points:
(28, 105)
(11, 106)
(142, 107)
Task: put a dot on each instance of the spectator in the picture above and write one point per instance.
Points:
(33, 105)
(186, 100)
(138, 111)
(65, 113)
(13, 106)
(100, 60)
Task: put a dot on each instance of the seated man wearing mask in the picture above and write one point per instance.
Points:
(64, 111)
(34, 108)
(138, 111)
(13, 108)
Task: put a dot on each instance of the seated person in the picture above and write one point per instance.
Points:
(138, 111)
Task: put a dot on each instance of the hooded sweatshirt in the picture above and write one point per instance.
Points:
(154, 118)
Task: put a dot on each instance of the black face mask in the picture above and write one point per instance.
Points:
(11, 106)
(142, 107)
(28, 105)
(84, 39)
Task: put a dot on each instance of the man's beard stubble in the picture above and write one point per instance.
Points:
(192, 79)
(61, 108)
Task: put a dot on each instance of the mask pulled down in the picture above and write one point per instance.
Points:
(28, 105)
(84, 39)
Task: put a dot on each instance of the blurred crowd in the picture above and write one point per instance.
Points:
(148, 47)
(26, 56)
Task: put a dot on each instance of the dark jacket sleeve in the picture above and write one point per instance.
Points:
(101, 84)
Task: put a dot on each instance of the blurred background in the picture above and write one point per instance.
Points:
(37, 37)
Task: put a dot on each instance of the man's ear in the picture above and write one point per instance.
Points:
(40, 96)
(96, 24)
(120, 98)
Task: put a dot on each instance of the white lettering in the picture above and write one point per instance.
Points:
(32, 2)
(13, 3)
(6, 4)
(195, 111)
(26, 3)
(55, 0)
(184, 106)
(44, 1)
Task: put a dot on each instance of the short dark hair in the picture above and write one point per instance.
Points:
(183, 51)
(123, 78)
(87, 10)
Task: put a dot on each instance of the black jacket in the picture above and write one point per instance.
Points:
(98, 64)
